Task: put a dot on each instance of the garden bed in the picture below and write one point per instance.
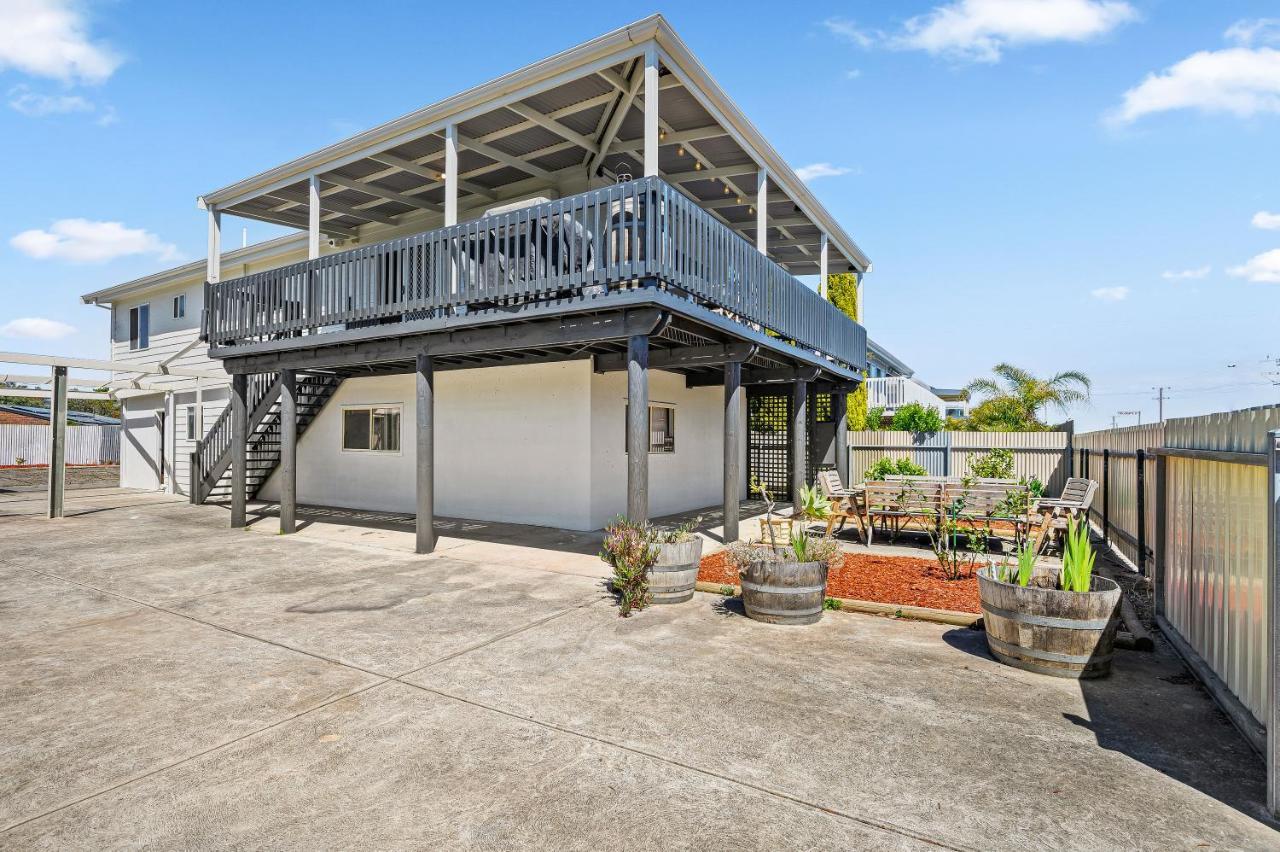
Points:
(900, 580)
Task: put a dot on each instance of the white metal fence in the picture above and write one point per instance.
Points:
(1205, 514)
(1040, 454)
(29, 445)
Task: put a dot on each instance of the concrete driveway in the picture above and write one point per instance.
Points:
(167, 682)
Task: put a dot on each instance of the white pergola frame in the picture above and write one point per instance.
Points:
(58, 394)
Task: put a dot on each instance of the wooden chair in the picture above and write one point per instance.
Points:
(1056, 514)
(845, 503)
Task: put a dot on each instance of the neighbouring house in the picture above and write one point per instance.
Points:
(891, 384)
(565, 294)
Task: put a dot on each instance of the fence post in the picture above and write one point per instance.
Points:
(1162, 530)
(946, 454)
(1106, 496)
(1142, 511)
(1273, 632)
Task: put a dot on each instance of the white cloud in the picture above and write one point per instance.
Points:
(851, 32)
(813, 171)
(1185, 274)
(1266, 221)
(36, 328)
(1111, 294)
(1238, 80)
(853, 74)
(83, 241)
(1263, 269)
(27, 102)
(980, 30)
(1256, 31)
(50, 38)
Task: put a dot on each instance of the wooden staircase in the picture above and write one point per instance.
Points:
(211, 460)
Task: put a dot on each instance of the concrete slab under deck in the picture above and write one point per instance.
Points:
(168, 682)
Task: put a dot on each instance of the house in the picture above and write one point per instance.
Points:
(891, 384)
(565, 294)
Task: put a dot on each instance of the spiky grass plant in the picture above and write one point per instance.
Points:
(1077, 558)
(1026, 562)
(814, 505)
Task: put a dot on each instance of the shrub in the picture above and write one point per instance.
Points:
(803, 548)
(914, 417)
(684, 532)
(887, 467)
(874, 419)
(995, 464)
(629, 549)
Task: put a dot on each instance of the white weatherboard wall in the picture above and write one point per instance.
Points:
(512, 444)
(534, 444)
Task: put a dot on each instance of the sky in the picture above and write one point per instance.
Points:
(1058, 184)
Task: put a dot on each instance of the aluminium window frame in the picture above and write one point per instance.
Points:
(370, 406)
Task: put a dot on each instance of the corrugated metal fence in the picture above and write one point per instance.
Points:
(1211, 559)
(1040, 454)
(29, 445)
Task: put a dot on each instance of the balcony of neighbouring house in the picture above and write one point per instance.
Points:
(893, 392)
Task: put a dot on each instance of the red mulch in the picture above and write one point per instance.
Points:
(883, 579)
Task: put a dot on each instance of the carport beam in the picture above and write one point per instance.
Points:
(288, 451)
(732, 447)
(799, 439)
(426, 458)
(638, 428)
(239, 451)
(57, 441)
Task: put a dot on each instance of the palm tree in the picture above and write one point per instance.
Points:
(1015, 390)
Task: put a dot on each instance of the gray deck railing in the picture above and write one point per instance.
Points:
(212, 454)
(574, 246)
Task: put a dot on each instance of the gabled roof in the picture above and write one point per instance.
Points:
(884, 356)
(548, 122)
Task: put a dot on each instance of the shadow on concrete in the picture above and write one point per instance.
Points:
(1153, 711)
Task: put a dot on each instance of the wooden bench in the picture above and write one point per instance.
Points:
(898, 505)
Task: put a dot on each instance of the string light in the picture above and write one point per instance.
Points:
(680, 151)
(739, 199)
(662, 134)
(726, 189)
(697, 165)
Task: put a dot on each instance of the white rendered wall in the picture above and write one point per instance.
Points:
(512, 444)
(140, 442)
(690, 478)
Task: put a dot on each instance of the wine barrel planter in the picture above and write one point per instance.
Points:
(673, 576)
(1041, 628)
(784, 592)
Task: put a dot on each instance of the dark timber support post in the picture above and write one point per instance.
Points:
(58, 442)
(426, 454)
(638, 428)
(799, 439)
(239, 447)
(1106, 496)
(732, 447)
(288, 451)
(1141, 485)
(1162, 530)
(1273, 616)
(840, 413)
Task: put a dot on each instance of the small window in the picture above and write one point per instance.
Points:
(193, 425)
(140, 327)
(180, 306)
(372, 430)
(662, 429)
